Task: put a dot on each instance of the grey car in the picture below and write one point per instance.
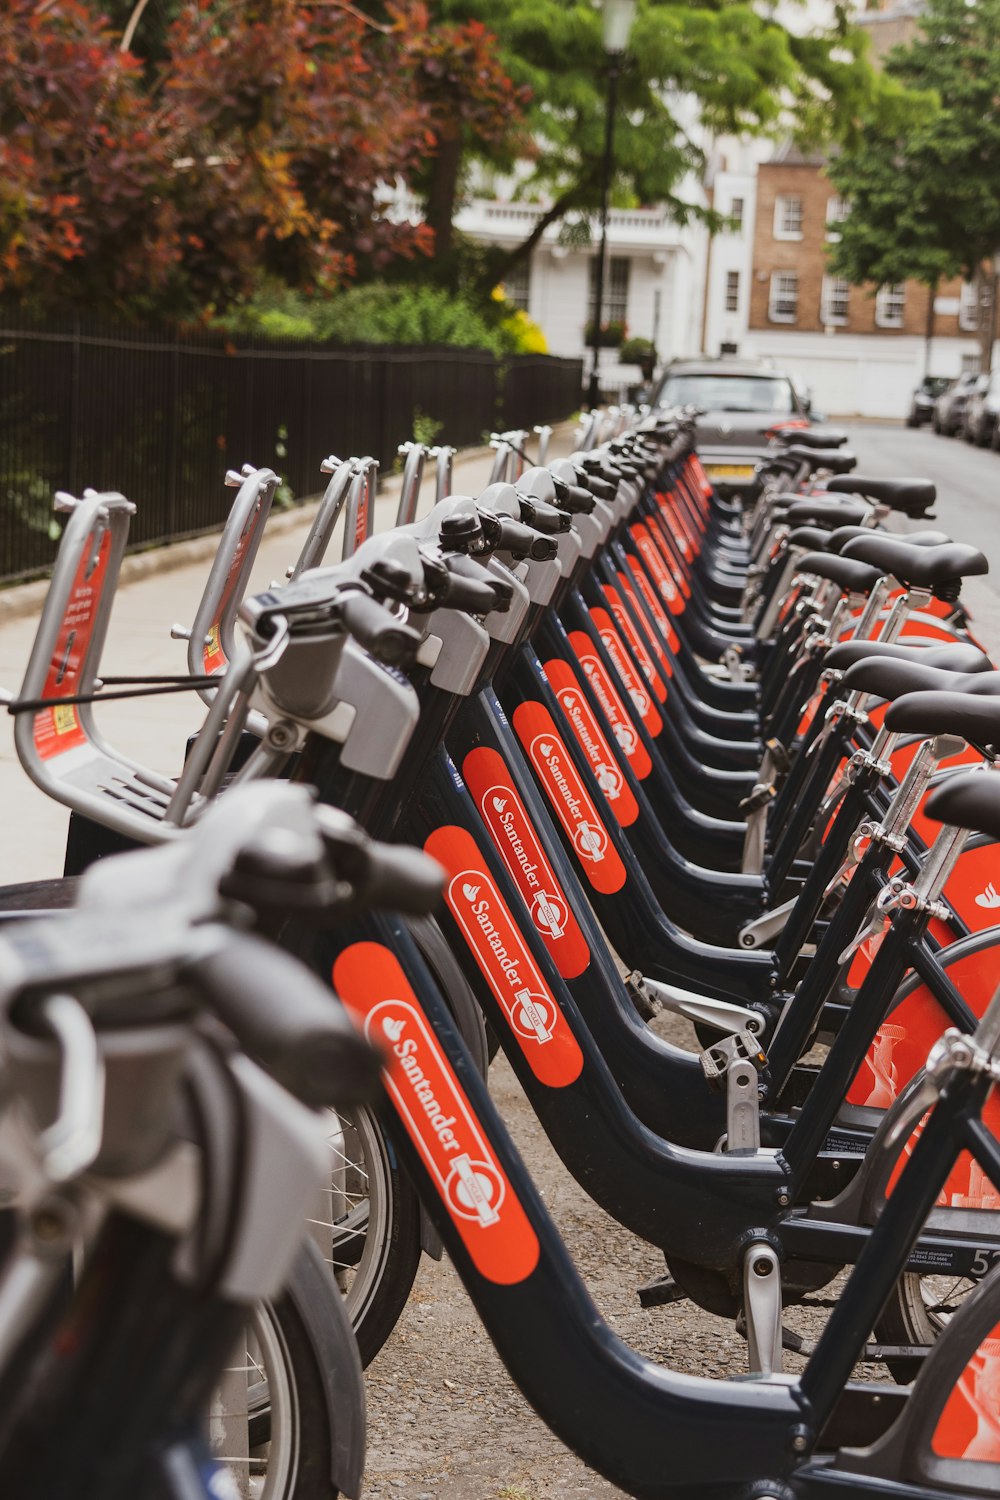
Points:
(742, 402)
(923, 399)
(949, 409)
(979, 420)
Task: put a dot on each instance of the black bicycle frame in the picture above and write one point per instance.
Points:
(659, 1435)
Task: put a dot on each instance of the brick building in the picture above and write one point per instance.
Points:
(798, 211)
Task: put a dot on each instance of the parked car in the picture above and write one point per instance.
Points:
(950, 407)
(923, 399)
(979, 420)
(741, 401)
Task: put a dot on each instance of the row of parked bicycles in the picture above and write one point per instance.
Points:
(520, 772)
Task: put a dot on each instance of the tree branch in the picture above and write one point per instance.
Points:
(505, 261)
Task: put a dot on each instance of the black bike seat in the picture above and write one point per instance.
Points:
(889, 679)
(811, 437)
(940, 569)
(973, 712)
(850, 576)
(812, 537)
(829, 513)
(971, 800)
(912, 496)
(925, 650)
(839, 538)
(833, 459)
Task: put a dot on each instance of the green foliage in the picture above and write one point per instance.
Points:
(925, 196)
(637, 351)
(425, 428)
(373, 314)
(747, 73)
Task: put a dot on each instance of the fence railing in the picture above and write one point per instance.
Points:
(161, 415)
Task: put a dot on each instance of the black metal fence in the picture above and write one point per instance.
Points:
(161, 415)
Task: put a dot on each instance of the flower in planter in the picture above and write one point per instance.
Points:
(611, 335)
(641, 352)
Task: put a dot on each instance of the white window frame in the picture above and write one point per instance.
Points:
(739, 215)
(732, 292)
(837, 210)
(890, 305)
(971, 362)
(775, 299)
(834, 289)
(788, 223)
(518, 287)
(968, 307)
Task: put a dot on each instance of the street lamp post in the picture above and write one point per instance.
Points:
(618, 18)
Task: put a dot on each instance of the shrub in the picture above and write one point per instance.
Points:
(372, 314)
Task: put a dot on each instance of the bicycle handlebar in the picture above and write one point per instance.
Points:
(378, 631)
(285, 1018)
(471, 588)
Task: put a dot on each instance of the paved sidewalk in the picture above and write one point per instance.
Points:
(154, 730)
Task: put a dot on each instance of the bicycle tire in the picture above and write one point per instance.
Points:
(921, 1303)
(374, 1249)
(294, 1429)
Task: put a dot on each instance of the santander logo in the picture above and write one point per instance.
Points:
(989, 898)
(517, 840)
(453, 1147)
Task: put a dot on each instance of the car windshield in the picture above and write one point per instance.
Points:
(936, 385)
(717, 392)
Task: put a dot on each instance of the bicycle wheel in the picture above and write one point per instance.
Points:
(923, 1303)
(288, 1416)
(367, 1227)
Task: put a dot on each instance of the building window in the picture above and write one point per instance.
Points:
(788, 218)
(833, 307)
(890, 303)
(837, 210)
(732, 291)
(783, 304)
(517, 284)
(970, 363)
(968, 308)
(736, 212)
(615, 299)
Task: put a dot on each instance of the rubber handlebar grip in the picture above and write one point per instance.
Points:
(291, 1023)
(544, 517)
(473, 589)
(401, 879)
(373, 627)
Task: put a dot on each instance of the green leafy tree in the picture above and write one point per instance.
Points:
(925, 199)
(732, 64)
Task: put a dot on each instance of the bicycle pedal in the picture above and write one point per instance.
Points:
(895, 1351)
(660, 1292)
(795, 1343)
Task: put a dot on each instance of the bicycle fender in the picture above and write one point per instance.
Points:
(309, 1286)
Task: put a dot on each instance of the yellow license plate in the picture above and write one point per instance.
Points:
(729, 471)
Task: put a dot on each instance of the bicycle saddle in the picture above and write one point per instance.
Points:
(813, 538)
(833, 459)
(889, 679)
(921, 650)
(810, 437)
(973, 712)
(940, 569)
(829, 514)
(913, 496)
(850, 575)
(819, 540)
(968, 801)
(839, 538)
